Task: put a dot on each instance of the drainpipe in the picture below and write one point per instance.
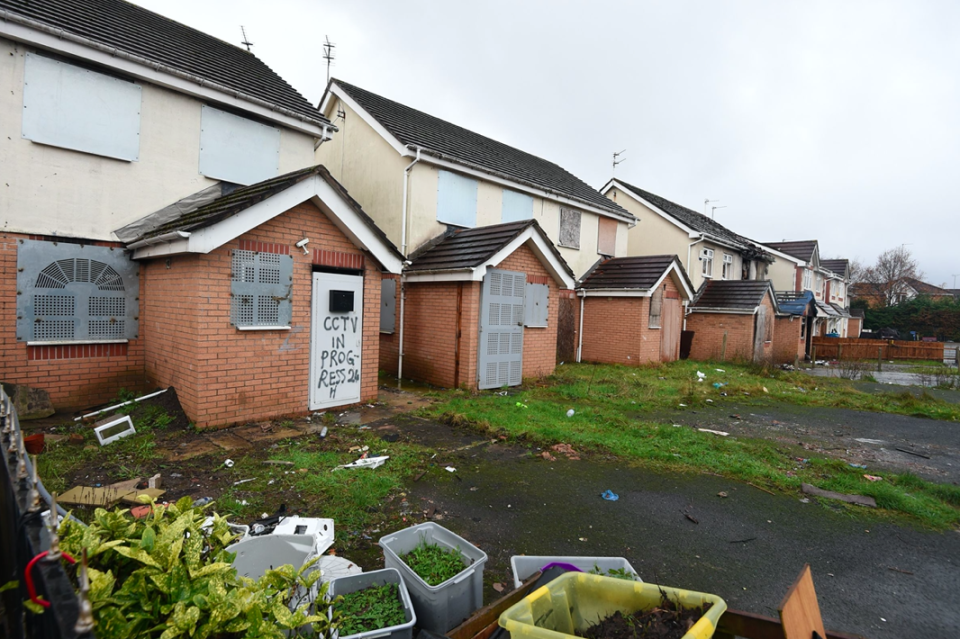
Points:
(582, 294)
(689, 250)
(403, 251)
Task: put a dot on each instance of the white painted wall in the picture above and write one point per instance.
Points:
(51, 191)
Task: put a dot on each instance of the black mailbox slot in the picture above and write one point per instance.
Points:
(341, 301)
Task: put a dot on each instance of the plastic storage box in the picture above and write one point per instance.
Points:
(575, 601)
(442, 607)
(353, 583)
(525, 565)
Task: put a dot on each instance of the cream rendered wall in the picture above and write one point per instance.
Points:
(369, 168)
(783, 274)
(48, 190)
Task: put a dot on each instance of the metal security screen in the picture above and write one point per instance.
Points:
(261, 289)
(74, 292)
(501, 329)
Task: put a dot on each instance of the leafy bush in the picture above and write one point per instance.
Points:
(166, 576)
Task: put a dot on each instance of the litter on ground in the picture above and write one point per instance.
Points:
(714, 432)
(365, 462)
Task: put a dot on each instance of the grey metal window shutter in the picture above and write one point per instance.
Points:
(76, 292)
(261, 289)
(536, 305)
(388, 304)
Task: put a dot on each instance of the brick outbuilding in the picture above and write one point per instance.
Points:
(264, 300)
(631, 310)
(733, 320)
(479, 308)
(794, 326)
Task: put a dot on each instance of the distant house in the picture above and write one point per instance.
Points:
(163, 223)
(898, 291)
(422, 178)
(706, 249)
(733, 320)
(632, 310)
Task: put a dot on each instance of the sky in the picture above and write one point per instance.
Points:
(835, 121)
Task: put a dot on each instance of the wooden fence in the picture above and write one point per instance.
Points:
(853, 348)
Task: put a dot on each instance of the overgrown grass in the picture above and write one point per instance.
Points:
(616, 409)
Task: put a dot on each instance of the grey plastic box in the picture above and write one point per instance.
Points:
(353, 583)
(525, 565)
(442, 607)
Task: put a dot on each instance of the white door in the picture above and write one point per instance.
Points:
(336, 340)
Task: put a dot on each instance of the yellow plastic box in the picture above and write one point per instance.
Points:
(575, 601)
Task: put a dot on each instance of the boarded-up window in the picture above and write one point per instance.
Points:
(74, 108)
(570, 228)
(236, 149)
(536, 305)
(656, 306)
(388, 305)
(261, 290)
(607, 237)
(72, 292)
(516, 206)
(456, 200)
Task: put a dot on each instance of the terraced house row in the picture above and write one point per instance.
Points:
(175, 214)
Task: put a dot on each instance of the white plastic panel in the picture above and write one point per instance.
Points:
(457, 200)
(73, 108)
(536, 305)
(516, 206)
(236, 149)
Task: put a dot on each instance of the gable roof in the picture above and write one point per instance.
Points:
(687, 217)
(471, 251)
(448, 141)
(923, 288)
(795, 303)
(733, 295)
(635, 274)
(206, 221)
(838, 266)
(126, 30)
(801, 249)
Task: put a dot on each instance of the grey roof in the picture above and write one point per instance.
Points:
(121, 25)
(236, 200)
(632, 273)
(857, 312)
(923, 288)
(469, 248)
(690, 218)
(827, 310)
(838, 266)
(841, 311)
(452, 142)
(801, 249)
(732, 294)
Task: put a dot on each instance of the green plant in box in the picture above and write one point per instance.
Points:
(370, 609)
(434, 564)
(165, 576)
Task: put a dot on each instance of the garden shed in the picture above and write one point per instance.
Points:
(262, 301)
(480, 307)
(733, 320)
(631, 310)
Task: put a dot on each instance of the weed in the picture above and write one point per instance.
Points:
(371, 609)
(434, 564)
(616, 573)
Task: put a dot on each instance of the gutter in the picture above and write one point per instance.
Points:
(16, 18)
(580, 330)
(690, 248)
(173, 236)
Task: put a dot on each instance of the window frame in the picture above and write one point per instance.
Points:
(706, 262)
(656, 302)
(566, 211)
(727, 266)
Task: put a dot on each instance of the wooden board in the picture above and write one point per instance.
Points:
(800, 612)
(105, 497)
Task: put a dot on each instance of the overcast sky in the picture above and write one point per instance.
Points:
(837, 121)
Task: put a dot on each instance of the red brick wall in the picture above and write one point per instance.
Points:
(224, 375)
(617, 329)
(539, 344)
(709, 329)
(430, 328)
(75, 376)
(854, 324)
(787, 343)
